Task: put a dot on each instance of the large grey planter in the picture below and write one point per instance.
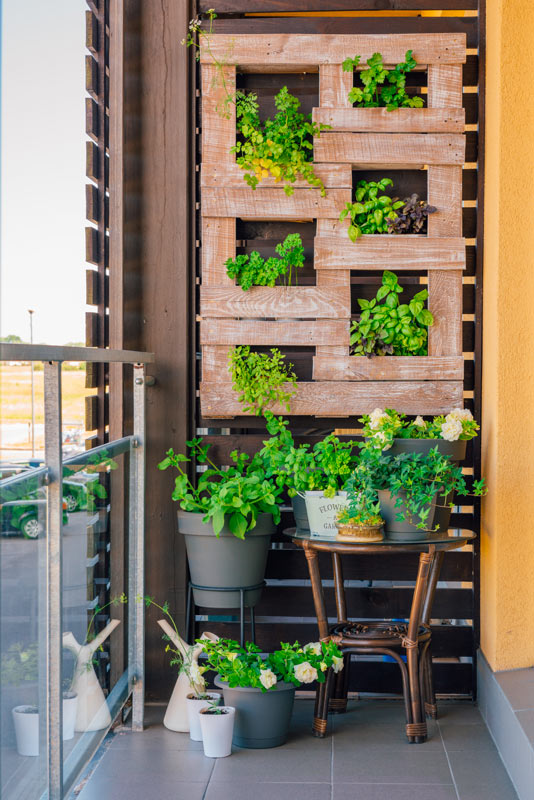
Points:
(261, 718)
(225, 561)
(404, 531)
(455, 450)
(301, 515)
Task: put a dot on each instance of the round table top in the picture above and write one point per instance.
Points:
(336, 544)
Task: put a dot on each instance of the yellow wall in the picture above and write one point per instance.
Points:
(507, 577)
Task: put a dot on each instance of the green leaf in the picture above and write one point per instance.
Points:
(218, 521)
(238, 525)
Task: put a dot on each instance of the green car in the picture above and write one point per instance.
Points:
(27, 515)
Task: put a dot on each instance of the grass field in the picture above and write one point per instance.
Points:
(15, 395)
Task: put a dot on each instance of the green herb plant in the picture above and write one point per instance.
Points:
(292, 663)
(382, 87)
(254, 270)
(262, 380)
(280, 147)
(235, 495)
(199, 37)
(388, 327)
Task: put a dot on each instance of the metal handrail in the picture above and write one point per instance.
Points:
(47, 352)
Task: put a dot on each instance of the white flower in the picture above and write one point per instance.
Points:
(305, 673)
(419, 422)
(375, 418)
(459, 414)
(384, 439)
(267, 678)
(337, 663)
(451, 430)
(195, 678)
(313, 647)
(231, 656)
(324, 666)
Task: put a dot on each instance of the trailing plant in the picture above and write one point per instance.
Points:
(19, 664)
(235, 495)
(375, 213)
(387, 327)
(381, 86)
(280, 147)
(262, 380)
(254, 270)
(382, 426)
(200, 37)
(292, 663)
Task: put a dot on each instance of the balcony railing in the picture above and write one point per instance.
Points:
(72, 565)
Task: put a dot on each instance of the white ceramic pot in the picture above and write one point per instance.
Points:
(217, 732)
(26, 721)
(194, 705)
(322, 512)
(70, 707)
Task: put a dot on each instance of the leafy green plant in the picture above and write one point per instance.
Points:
(381, 86)
(261, 379)
(19, 664)
(254, 270)
(412, 217)
(382, 426)
(280, 147)
(387, 327)
(235, 495)
(292, 663)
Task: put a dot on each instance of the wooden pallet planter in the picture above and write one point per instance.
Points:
(319, 316)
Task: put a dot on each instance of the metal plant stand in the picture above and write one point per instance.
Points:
(190, 608)
(413, 639)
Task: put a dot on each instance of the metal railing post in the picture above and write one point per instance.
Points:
(53, 459)
(136, 576)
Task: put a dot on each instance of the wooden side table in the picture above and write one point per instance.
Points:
(380, 638)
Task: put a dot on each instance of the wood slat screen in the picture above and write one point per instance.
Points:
(379, 586)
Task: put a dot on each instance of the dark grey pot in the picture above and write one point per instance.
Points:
(225, 561)
(455, 450)
(261, 718)
(404, 531)
(301, 515)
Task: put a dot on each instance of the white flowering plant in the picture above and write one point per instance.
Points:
(292, 663)
(384, 425)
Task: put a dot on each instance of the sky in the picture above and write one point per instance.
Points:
(43, 138)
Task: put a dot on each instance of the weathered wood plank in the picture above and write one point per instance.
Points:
(334, 86)
(389, 251)
(281, 334)
(218, 120)
(444, 86)
(343, 398)
(228, 175)
(334, 277)
(300, 49)
(215, 363)
(390, 149)
(445, 192)
(280, 301)
(378, 120)
(388, 368)
(273, 204)
(218, 245)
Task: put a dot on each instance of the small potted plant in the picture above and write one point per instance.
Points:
(217, 729)
(360, 520)
(262, 690)
(26, 721)
(390, 430)
(227, 520)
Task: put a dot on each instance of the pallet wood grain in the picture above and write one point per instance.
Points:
(218, 132)
(334, 86)
(378, 120)
(281, 334)
(288, 49)
(390, 149)
(406, 252)
(388, 368)
(304, 302)
(444, 86)
(226, 174)
(334, 277)
(344, 398)
(272, 204)
(218, 244)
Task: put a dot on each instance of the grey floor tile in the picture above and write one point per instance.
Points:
(373, 711)
(518, 686)
(462, 713)
(498, 792)
(268, 791)
(360, 791)
(526, 720)
(139, 788)
(153, 763)
(370, 735)
(152, 738)
(280, 764)
(467, 737)
(412, 765)
(480, 772)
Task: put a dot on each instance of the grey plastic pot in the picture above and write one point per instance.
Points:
(404, 531)
(261, 718)
(301, 515)
(225, 561)
(455, 450)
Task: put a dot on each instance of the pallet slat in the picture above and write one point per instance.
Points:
(226, 174)
(291, 301)
(273, 204)
(390, 149)
(388, 368)
(378, 120)
(389, 252)
(282, 334)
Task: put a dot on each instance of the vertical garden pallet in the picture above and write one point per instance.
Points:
(359, 139)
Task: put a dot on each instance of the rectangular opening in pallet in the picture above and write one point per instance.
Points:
(263, 237)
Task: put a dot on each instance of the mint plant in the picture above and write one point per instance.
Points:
(254, 270)
(387, 327)
(381, 86)
(281, 147)
(262, 380)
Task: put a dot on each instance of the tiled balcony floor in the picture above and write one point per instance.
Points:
(365, 756)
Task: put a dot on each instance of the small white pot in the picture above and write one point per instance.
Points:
(70, 707)
(322, 512)
(194, 706)
(217, 732)
(26, 721)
